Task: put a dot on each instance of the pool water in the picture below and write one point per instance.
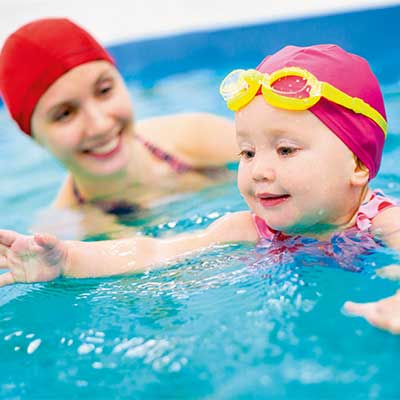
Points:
(228, 323)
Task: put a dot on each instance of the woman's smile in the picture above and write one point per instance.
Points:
(105, 149)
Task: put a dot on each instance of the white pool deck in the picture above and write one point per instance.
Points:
(115, 21)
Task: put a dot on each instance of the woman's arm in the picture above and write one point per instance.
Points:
(41, 258)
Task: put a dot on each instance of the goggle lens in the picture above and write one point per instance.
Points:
(233, 84)
(292, 86)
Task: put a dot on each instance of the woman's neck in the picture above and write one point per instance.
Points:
(136, 174)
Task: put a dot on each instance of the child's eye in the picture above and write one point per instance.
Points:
(286, 150)
(246, 154)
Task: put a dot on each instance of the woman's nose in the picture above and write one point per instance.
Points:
(98, 121)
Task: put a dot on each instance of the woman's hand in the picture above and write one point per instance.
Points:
(38, 258)
(384, 314)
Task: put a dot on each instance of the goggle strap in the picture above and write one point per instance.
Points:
(319, 89)
(355, 104)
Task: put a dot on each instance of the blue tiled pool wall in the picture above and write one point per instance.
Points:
(371, 33)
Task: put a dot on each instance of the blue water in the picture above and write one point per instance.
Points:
(228, 323)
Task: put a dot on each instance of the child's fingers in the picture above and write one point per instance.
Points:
(6, 279)
(377, 314)
(384, 321)
(7, 237)
(369, 311)
(3, 262)
(3, 249)
(46, 241)
(390, 272)
(360, 309)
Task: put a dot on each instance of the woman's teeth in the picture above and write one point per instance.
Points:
(106, 148)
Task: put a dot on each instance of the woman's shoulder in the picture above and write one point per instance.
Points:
(200, 139)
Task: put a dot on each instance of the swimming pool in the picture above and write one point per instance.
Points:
(228, 323)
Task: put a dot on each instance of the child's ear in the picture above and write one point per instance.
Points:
(360, 175)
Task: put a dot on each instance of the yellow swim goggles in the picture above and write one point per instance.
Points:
(241, 86)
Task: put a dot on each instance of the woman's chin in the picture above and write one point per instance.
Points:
(96, 166)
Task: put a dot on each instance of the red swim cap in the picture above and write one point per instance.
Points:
(351, 74)
(35, 56)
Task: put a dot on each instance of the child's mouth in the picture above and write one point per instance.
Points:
(271, 200)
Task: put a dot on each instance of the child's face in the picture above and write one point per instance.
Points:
(294, 172)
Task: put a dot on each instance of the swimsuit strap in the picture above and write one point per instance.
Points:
(124, 207)
(117, 207)
(177, 165)
(78, 197)
(366, 213)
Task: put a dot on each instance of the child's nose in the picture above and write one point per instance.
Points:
(263, 170)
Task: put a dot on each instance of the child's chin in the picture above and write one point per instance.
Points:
(279, 224)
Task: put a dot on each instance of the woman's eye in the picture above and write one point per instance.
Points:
(104, 89)
(62, 114)
(246, 154)
(286, 151)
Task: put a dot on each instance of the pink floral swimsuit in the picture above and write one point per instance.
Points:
(366, 213)
(343, 246)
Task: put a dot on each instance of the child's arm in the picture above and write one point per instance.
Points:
(384, 314)
(386, 226)
(43, 258)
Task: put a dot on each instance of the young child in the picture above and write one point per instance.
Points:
(310, 125)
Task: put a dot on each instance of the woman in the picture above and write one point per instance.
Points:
(63, 89)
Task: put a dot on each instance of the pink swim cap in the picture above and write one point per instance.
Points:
(351, 74)
(35, 56)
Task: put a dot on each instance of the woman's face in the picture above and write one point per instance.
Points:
(85, 119)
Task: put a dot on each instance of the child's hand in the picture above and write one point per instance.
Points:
(37, 258)
(384, 314)
(391, 271)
